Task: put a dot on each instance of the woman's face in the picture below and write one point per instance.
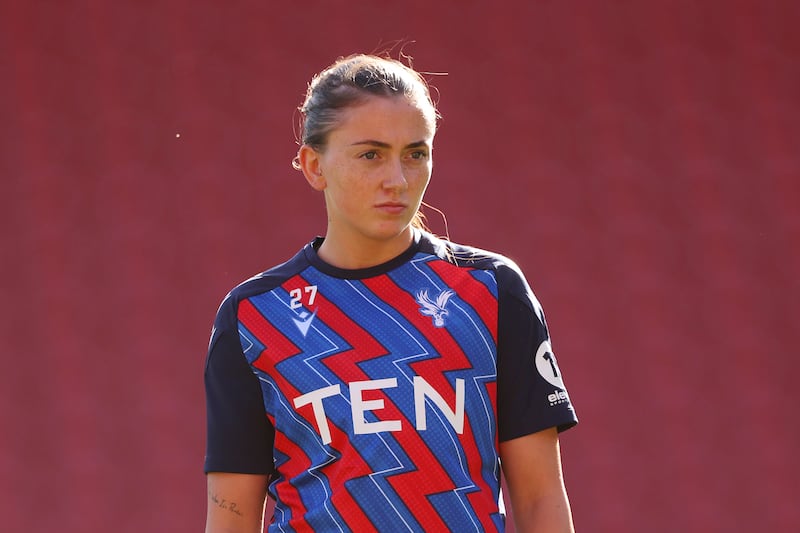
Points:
(374, 170)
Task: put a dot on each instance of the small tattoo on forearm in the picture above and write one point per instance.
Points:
(222, 503)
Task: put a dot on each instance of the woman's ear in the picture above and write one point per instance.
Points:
(310, 163)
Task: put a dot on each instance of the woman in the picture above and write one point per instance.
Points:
(379, 379)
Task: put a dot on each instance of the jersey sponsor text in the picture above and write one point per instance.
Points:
(359, 406)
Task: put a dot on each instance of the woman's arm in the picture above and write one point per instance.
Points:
(235, 502)
(532, 467)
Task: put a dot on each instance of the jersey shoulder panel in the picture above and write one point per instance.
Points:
(271, 278)
(226, 317)
(510, 278)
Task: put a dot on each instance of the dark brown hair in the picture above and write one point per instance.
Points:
(349, 82)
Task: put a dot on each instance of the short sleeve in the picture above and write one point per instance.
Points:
(531, 395)
(239, 435)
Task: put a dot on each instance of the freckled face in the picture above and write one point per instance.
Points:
(374, 170)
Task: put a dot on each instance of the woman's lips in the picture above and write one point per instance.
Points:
(394, 208)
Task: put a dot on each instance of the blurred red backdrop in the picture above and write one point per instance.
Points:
(638, 159)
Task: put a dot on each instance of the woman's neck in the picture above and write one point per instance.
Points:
(364, 253)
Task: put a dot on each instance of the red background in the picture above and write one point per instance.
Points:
(638, 159)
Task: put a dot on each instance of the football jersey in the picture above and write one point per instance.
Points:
(376, 398)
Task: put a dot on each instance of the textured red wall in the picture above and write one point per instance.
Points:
(638, 159)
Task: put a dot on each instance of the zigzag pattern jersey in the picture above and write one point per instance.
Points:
(376, 398)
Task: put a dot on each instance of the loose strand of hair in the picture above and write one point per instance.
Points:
(444, 219)
(446, 240)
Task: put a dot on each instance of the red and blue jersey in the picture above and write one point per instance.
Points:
(376, 398)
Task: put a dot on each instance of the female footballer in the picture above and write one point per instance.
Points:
(382, 378)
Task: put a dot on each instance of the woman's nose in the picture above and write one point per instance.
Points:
(395, 177)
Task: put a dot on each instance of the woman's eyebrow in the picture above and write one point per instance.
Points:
(381, 144)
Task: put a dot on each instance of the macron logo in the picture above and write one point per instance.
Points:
(304, 320)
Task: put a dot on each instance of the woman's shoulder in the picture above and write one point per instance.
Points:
(271, 278)
(466, 255)
(510, 277)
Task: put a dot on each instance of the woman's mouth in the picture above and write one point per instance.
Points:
(394, 208)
